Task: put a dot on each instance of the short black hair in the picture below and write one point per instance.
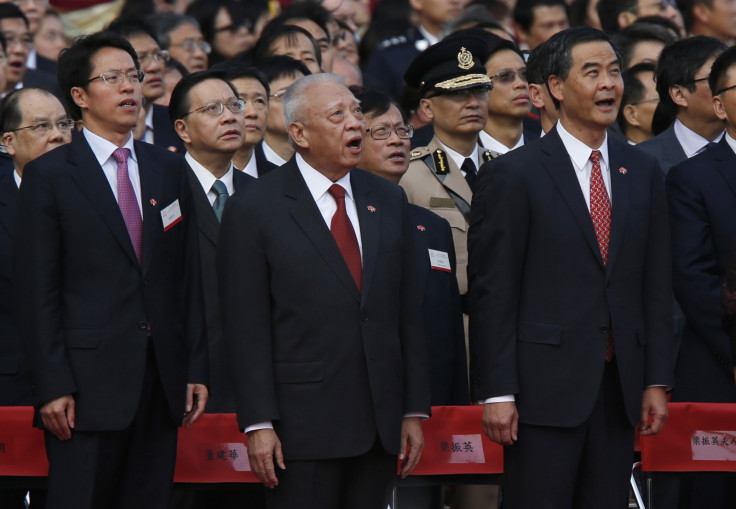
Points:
(537, 65)
(3, 42)
(169, 21)
(374, 104)
(10, 114)
(524, 11)
(560, 50)
(307, 10)
(634, 89)
(636, 33)
(235, 69)
(679, 62)
(75, 63)
(608, 11)
(129, 28)
(179, 104)
(282, 66)
(719, 71)
(9, 10)
(275, 31)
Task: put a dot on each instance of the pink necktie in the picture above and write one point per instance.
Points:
(600, 212)
(128, 203)
(344, 234)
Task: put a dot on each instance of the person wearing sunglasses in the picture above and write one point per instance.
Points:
(111, 311)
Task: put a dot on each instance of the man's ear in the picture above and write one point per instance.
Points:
(79, 96)
(677, 96)
(536, 95)
(717, 107)
(631, 114)
(9, 143)
(182, 129)
(298, 134)
(426, 106)
(625, 19)
(556, 87)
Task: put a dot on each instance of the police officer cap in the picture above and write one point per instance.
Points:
(451, 64)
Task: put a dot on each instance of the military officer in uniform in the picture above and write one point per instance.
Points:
(454, 89)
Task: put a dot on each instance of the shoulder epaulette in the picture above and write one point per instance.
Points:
(418, 153)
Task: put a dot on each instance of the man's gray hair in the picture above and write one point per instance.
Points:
(294, 102)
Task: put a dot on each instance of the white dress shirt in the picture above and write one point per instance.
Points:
(271, 155)
(690, 141)
(731, 142)
(251, 168)
(103, 150)
(207, 179)
(16, 177)
(492, 143)
(148, 135)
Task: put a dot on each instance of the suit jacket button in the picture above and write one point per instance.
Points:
(603, 329)
(363, 316)
(143, 325)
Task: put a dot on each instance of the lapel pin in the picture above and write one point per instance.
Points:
(421, 228)
(172, 148)
(154, 202)
(623, 170)
(371, 208)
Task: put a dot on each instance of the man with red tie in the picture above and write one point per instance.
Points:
(570, 317)
(109, 293)
(321, 314)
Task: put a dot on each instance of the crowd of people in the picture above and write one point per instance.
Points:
(328, 216)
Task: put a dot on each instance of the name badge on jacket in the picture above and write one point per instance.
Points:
(171, 215)
(439, 260)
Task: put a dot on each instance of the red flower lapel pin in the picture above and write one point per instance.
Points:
(371, 208)
(421, 228)
(623, 171)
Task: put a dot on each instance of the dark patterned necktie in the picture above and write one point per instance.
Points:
(128, 203)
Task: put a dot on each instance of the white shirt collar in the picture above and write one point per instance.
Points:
(207, 179)
(731, 142)
(493, 144)
(103, 148)
(578, 151)
(32, 61)
(457, 157)
(16, 177)
(690, 141)
(271, 155)
(431, 39)
(251, 168)
(317, 183)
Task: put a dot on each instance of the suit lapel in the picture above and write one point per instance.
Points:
(369, 216)
(306, 214)
(151, 182)
(725, 162)
(558, 165)
(8, 202)
(620, 201)
(91, 179)
(206, 218)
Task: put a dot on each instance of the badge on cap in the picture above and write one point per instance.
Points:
(464, 59)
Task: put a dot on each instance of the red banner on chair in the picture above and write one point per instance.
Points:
(697, 437)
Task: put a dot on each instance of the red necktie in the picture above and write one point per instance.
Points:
(600, 206)
(600, 213)
(342, 230)
(128, 203)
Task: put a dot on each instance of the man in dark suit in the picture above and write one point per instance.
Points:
(108, 293)
(322, 324)
(702, 202)
(208, 116)
(570, 318)
(33, 122)
(681, 77)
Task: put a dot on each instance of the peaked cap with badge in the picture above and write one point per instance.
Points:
(450, 65)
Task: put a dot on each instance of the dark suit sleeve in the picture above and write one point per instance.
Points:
(497, 243)
(657, 299)
(413, 346)
(245, 296)
(728, 302)
(697, 279)
(37, 277)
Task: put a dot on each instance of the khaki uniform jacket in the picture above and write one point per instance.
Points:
(424, 189)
